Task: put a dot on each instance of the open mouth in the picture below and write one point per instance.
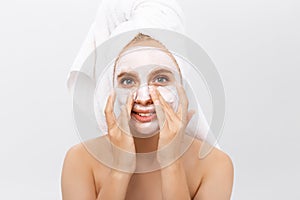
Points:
(143, 115)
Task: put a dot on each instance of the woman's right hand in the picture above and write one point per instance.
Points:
(123, 148)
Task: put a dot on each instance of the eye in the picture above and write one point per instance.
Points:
(127, 82)
(161, 79)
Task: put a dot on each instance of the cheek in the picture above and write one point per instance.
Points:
(170, 95)
(122, 95)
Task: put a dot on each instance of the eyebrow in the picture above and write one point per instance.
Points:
(132, 74)
(159, 71)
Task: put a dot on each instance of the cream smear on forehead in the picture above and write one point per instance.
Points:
(139, 56)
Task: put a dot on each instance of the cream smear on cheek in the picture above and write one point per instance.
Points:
(170, 95)
(142, 63)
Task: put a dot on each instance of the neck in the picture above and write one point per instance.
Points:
(145, 145)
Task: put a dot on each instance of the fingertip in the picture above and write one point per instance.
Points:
(153, 92)
(179, 88)
(111, 97)
(113, 94)
(156, 102)
(193, 112)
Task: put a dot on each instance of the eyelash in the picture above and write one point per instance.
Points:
(166, 79)
(124, 80)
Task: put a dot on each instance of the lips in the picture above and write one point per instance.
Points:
(143, 114)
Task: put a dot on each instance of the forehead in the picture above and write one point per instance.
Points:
(135, 58)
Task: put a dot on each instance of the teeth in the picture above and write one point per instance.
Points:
(145, 114)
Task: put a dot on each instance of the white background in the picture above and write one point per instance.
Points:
(255, 45)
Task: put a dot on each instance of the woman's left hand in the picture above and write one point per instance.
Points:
(172, 125)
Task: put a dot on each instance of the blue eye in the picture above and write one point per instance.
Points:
(127, 81)
(161, 79)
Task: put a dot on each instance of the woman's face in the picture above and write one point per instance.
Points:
(136, 71)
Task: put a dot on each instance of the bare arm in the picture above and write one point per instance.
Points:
(218, 180)
(174, 184)
(116, 183)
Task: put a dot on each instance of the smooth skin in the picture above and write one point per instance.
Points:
(211, 178)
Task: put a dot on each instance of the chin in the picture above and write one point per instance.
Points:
(145, 129)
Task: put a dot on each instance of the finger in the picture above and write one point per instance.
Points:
(153, 95)
(123, 120)
(170, 115)
(129, 103)
(109, 110)
(165, 105)
(169, 112)
(165, 108)
(183, 102)
(158, 108)
(182, 97)
(190, 115)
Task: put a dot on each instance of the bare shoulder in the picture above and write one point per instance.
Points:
(77, 154)
(210, 158)
(77, 180)
(78, 173)
(85, 154)
(214, 158)
(216, 168)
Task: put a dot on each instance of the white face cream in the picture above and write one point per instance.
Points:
(134, 73)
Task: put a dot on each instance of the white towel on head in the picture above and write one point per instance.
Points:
(117, 16)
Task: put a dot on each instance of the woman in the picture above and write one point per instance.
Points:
(148, 121)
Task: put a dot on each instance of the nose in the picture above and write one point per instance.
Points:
(143, 96)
